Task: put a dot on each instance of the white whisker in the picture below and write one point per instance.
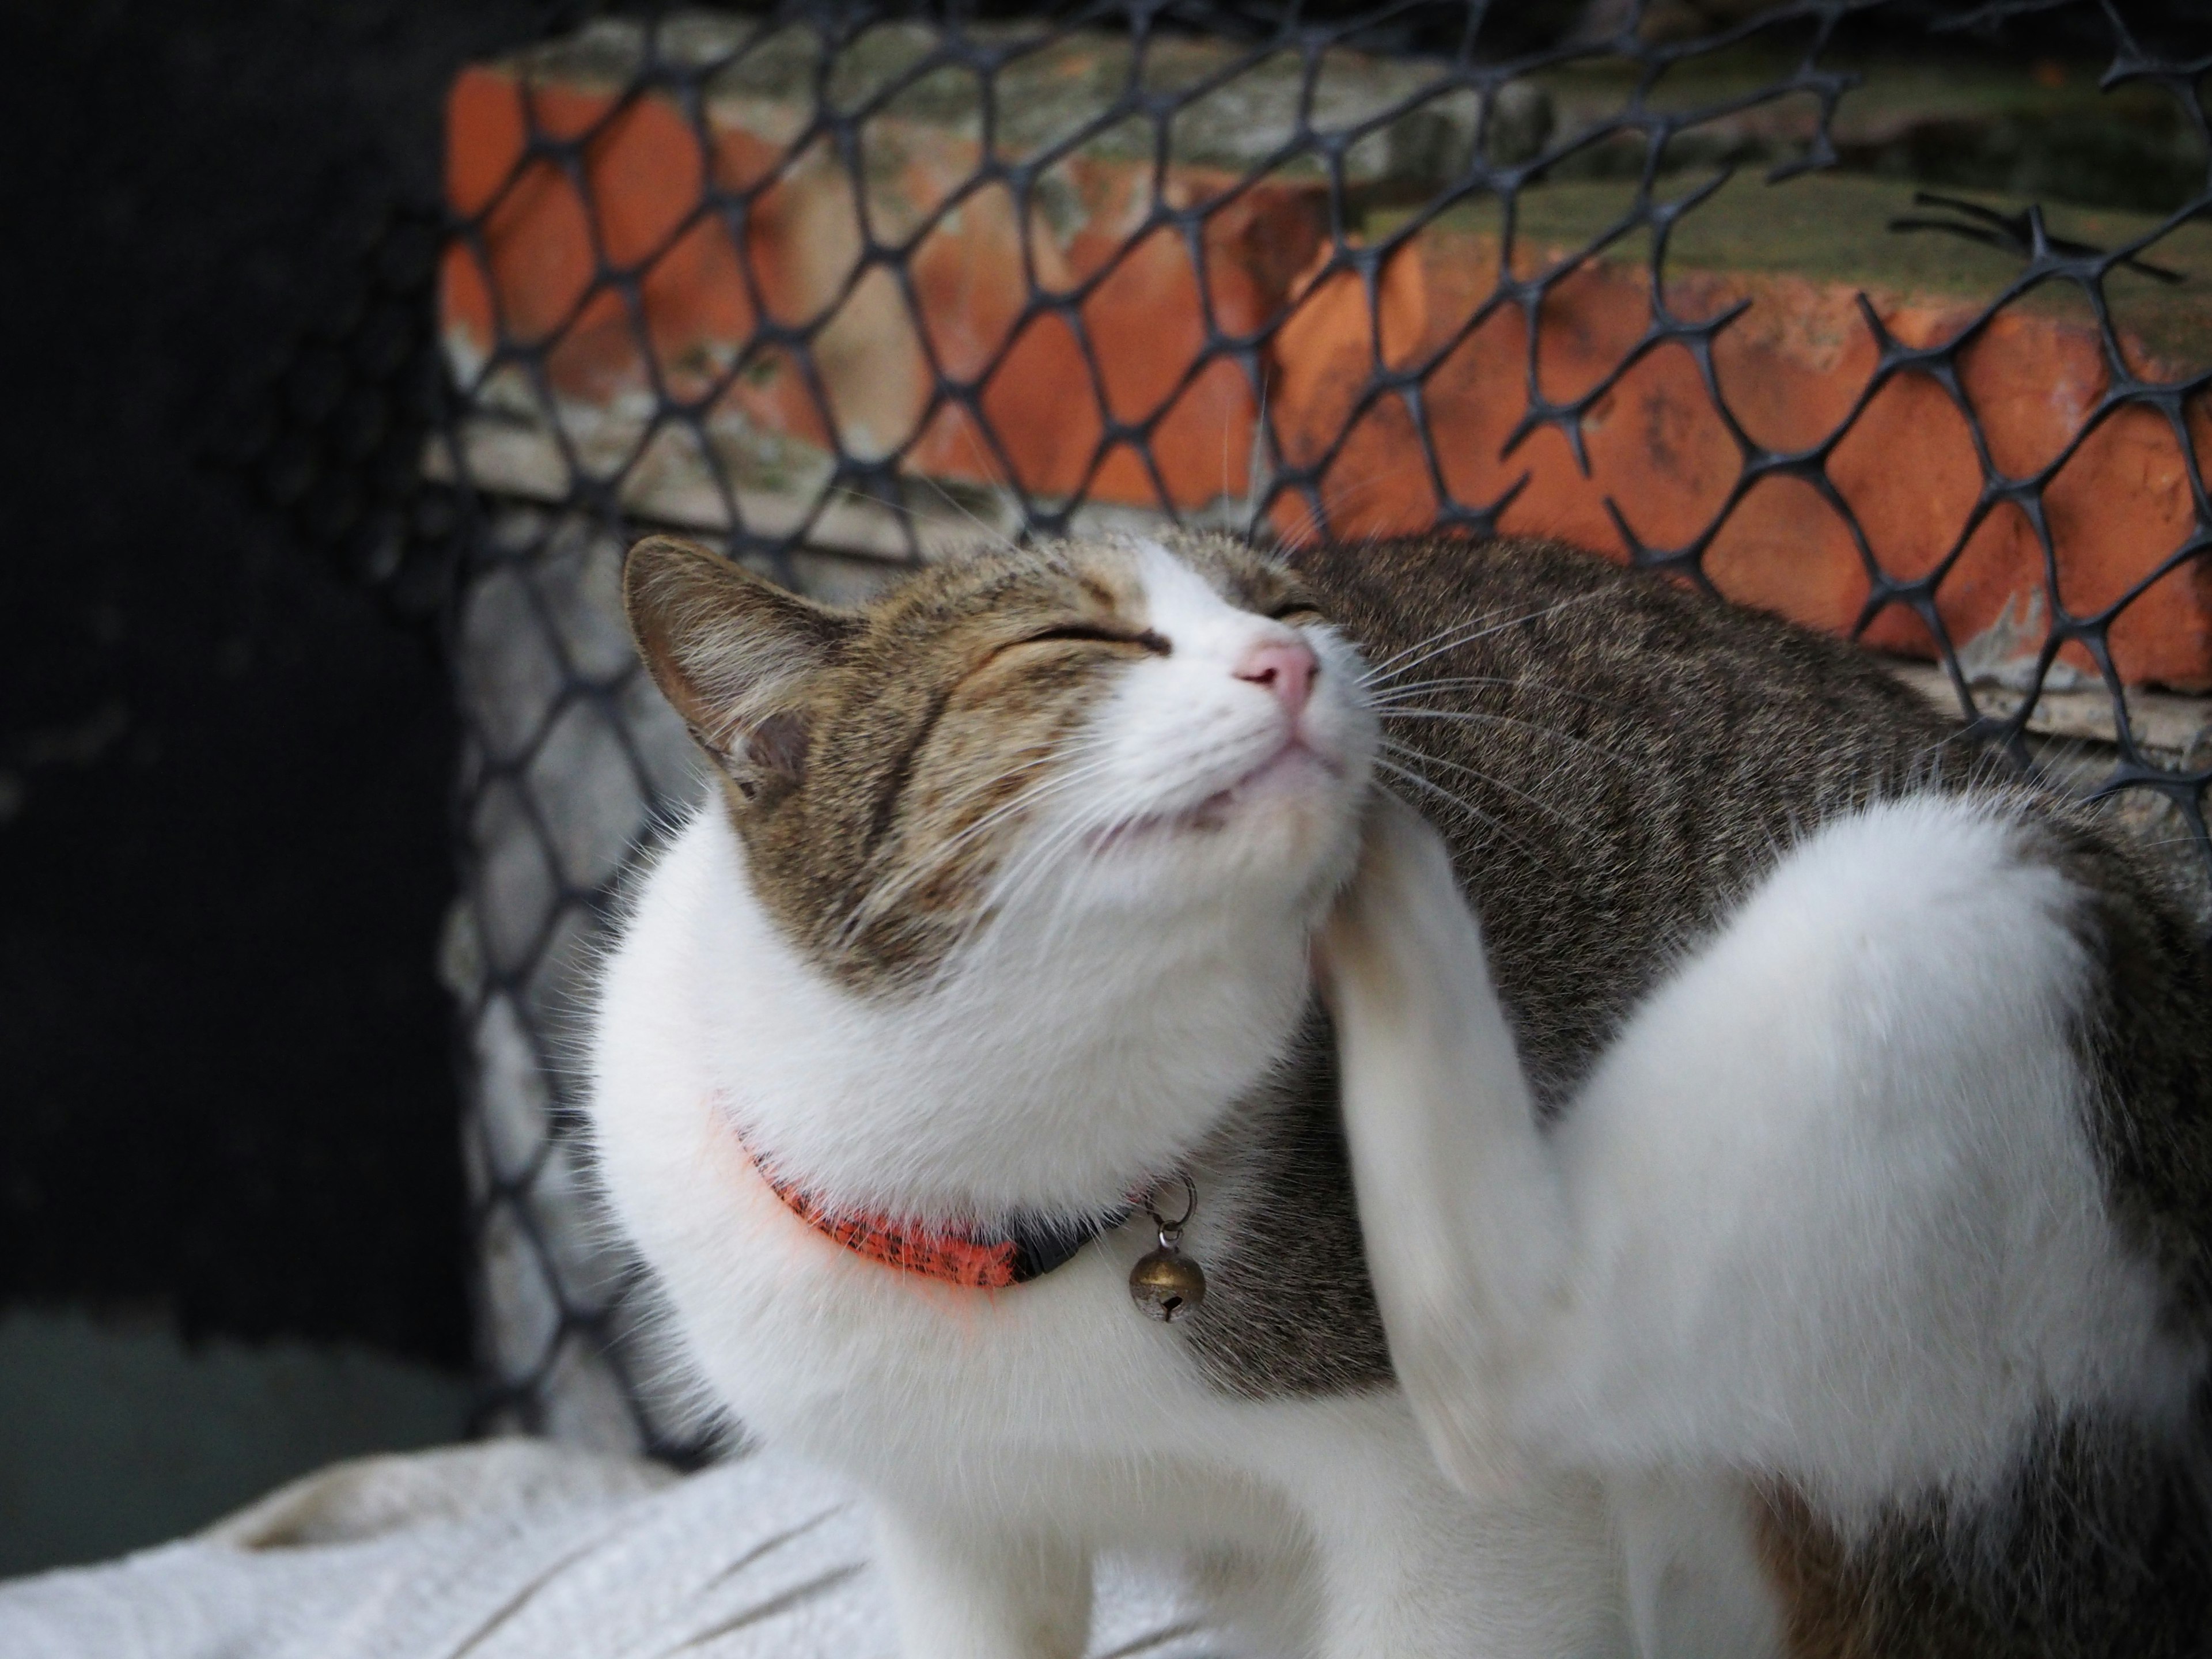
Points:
(1465, 806)
(1476, 716)
(1414, 754)
(1481, 629)
(1396, 693)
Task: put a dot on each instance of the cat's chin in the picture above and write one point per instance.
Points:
(1295, 778)
(1284, 829)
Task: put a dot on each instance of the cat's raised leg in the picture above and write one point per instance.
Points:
(1828, 1212)
(1836, 1196)
(963, 1593)
(1460, 1204)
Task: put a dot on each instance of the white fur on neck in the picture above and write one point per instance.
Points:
(1053, 1085)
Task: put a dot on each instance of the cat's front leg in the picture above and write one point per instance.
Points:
(1460, 1204)
(1409, 1568)
(964, 1592)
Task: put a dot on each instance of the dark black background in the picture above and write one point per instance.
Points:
(225, 1081)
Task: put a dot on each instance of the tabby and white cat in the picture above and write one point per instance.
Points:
(1787, 1209)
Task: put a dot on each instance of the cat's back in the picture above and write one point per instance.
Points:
(1642, 654)
(1617, 761)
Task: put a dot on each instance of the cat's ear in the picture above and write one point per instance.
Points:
(732, 654)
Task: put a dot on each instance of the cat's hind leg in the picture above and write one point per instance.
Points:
(1835, 1199)
(1829, 1208)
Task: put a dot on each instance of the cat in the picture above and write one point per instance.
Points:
(990, 950)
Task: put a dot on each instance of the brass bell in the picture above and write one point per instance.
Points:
(1165, 1284)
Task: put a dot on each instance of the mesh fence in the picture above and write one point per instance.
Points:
(1768, 298)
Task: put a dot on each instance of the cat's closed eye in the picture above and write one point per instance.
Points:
(1158, 644)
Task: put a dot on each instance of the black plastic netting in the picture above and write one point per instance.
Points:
(1892, 318)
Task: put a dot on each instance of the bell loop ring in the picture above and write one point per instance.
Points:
(1171, 1231)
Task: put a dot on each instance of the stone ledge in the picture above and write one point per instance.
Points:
(2170, 729)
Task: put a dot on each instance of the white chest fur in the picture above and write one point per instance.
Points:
(1051, 1416)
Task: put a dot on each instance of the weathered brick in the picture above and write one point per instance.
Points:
(635, 285)
(1791, 371)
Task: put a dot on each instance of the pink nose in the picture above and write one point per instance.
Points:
(1286, 667)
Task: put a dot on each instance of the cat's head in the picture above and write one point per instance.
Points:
(1130, 730)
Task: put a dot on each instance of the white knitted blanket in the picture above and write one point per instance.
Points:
(523, 1550)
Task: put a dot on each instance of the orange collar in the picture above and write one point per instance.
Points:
(1022, 1249)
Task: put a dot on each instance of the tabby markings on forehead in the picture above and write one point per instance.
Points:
(936, 725)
